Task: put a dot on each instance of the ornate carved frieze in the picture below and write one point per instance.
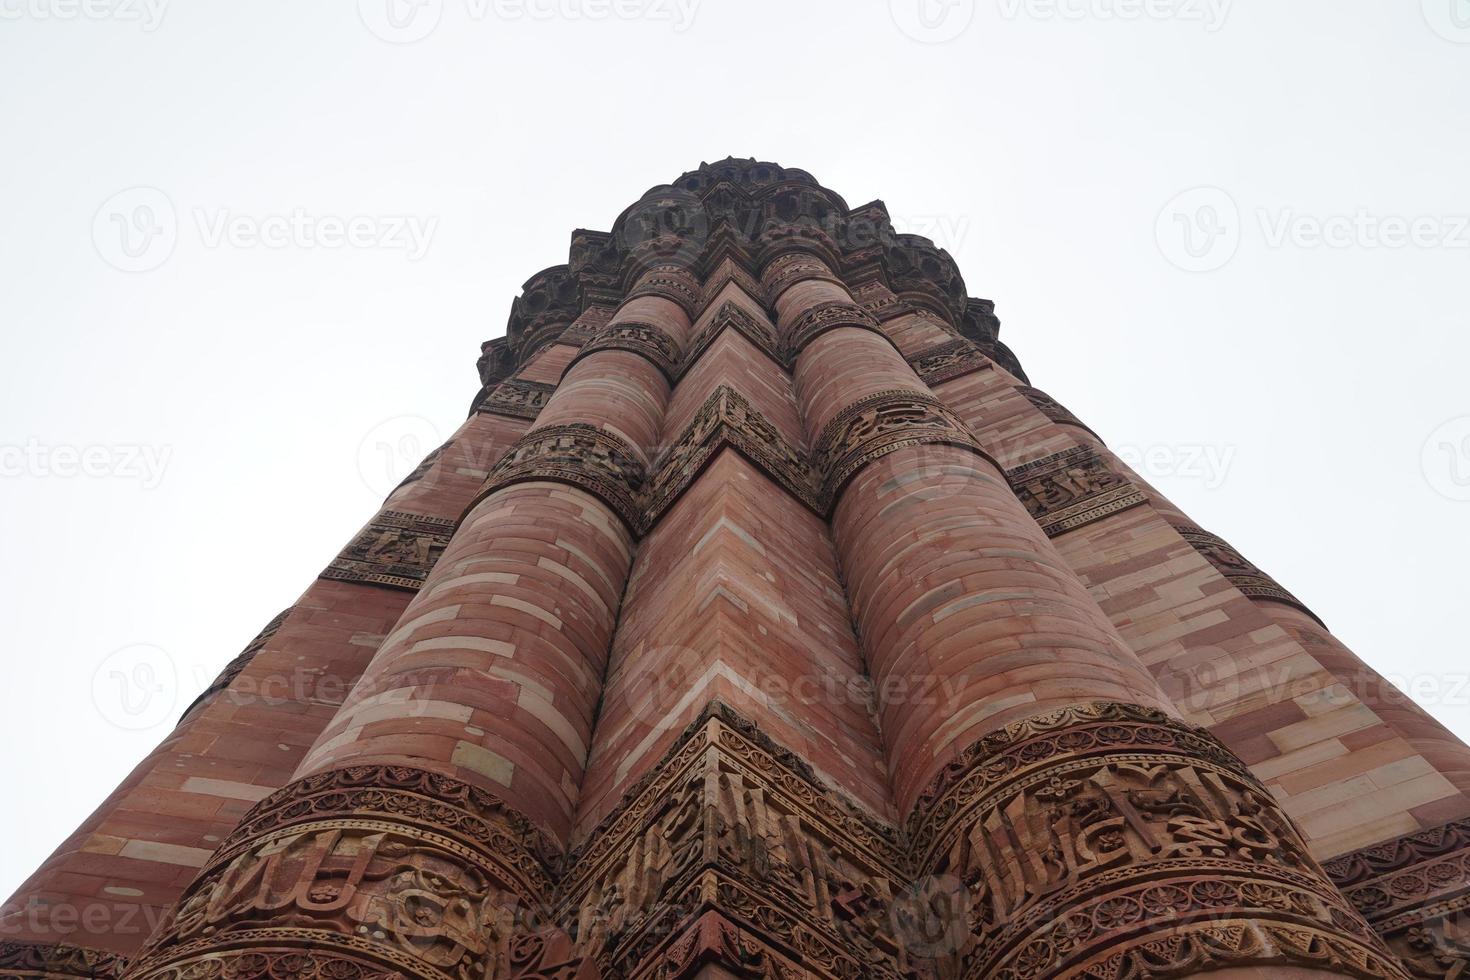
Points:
(821, 318)
(1415, 891)
(57, 961)
(362, 872)
(1052, 408)
(726, 420)
(646, 340)
(879, 424)
(731, 316)
(579, 454)
(672, 283)
(1070, 489)
(396, 550)
(517, 398)
(728, 821)
(787, 270)
(234, 667)
(1110, 840)
(730, 272)
(949, 360)
(1231, 564)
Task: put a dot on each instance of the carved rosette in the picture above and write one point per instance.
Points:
(729, 822)
(883, 423)
(947, 361)
(726, 420)
(57, 961)
(1110, 840)
(517, 399)
(578, 454)
(397, 550)
(1415, 892)
(368, 871)
(1052, 408)
(1071, 489)
(234, 667)
(821, 318)
(1239, 572)
(644, 339)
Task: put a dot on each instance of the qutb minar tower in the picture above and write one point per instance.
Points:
(762, 621)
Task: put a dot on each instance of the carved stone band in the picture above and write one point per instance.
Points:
(371, 869)
(787, 270)
(821, 318)
(1239, 572)
(517, 399)
(644, 339)
(882, 423)
(61, 961)
(397, 550)
(731, 316)
(947, 361)
(1052, 408)
(673, 284)
(1112, 840)
(1071, 489)
(578, 454)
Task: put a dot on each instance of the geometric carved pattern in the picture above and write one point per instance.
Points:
(578, 454)
(517, 398)
(725, 420)
(1050, 407)
(879, 424)
(1415, 891)
(1246, 577)
(395, 550)
(234, 667)
(947, 361)
(44, 960)
(1069, 489)
(361, 872)
(1110, 840)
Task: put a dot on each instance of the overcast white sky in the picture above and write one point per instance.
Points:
(1295, 365)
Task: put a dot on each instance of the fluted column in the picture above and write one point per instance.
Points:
(1067, 819)
(424, 823)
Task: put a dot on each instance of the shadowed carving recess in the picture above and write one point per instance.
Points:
(1415, 891)
(1052, 408)
(644, 339)
(949, 360)
(578, 454)
(517, 398)
(882, 423)
(1072, 489)
(1239, 572)
(1110, 840)
(397, 550)
(360, 872)
(44, 961)
(234, 667)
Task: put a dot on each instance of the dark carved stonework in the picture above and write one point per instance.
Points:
(1240, 573)
(578, 454)
(949, 360)
(1071, 489)
(1110, 840)
(672, 283)
(1415, 891)
(644, 339)
(726, 420)
(1052, 408)
(396, 550)
(820, 319)
(787, 270)
(44, 961)
(731, 316)
(517, 399)
(880, 424)
(360, 872)
(234, 667)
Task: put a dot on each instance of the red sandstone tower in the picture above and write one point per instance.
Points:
(763, 621)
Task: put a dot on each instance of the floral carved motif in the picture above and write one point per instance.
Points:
(578, 454)
(1110, 840)
(396, 550)
(62, 961)
(1239, 572)
(1071, 489)
(517, 399)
